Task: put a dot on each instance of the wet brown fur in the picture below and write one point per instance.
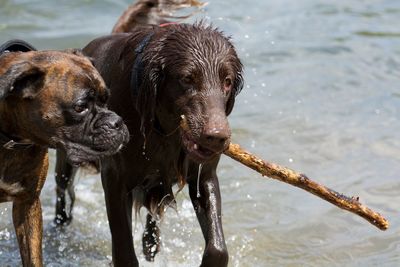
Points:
(30, 110)
(184, 71)
(148, 168)
(147, 13)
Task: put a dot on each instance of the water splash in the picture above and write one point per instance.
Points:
(198, 180)
(144, 149)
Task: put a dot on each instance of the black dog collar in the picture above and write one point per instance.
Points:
(14, 46)
(137, 76)
(138, 65)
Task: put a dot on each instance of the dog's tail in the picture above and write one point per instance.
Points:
(154, 12)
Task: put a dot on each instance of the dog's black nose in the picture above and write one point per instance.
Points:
(115, 122)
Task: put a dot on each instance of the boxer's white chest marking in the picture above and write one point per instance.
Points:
(11, 189)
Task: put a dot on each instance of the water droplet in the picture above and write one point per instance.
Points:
(198, 180)
(253, 144)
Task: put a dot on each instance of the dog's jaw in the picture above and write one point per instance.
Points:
(192, 145)
(195, 151)
(79, 152)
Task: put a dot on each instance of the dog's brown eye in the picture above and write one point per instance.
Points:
(92, 93)
(227, 84)
(80, 108)
(188, 80)
(150, 4)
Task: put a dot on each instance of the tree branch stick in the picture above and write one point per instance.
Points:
(289, 176)
(300, 180)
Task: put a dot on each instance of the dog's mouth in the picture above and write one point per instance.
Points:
(78, 154)
(196, 151)
(82, 151)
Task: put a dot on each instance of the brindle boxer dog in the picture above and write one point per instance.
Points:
(48, 99)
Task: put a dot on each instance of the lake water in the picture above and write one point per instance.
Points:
(322, 96)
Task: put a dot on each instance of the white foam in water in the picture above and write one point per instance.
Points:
(343, 132)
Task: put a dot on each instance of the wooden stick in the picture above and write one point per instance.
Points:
(300, 180)
(289, 176)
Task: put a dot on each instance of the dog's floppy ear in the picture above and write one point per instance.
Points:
(237, 87)
(147, 96)
(23, 78)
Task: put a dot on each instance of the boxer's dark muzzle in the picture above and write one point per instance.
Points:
(103, 134)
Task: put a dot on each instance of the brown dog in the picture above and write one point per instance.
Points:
(47, 99)
(157, 76)
(181, 70)
(143, 13)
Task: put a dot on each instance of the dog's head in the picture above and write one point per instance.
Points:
(194, 73)
(57, 99)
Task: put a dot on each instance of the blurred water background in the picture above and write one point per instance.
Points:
(322, 96)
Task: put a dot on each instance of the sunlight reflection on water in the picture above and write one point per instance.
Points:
(321, 96)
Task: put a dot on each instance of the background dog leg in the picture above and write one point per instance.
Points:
(65, 175)
(151, 238)
(208, 210)
(27, 218)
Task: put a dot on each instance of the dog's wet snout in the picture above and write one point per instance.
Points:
(114, 122)
(216, 134)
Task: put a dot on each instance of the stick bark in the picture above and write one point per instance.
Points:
(289, 176)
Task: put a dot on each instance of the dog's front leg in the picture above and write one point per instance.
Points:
(206, 199)
(119, 213)
(65, 175)
(27, 218)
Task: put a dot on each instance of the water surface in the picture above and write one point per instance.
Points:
(322, 96)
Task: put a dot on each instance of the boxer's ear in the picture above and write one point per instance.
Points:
(24, 79)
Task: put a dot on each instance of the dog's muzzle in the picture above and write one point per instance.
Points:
(105, 136)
